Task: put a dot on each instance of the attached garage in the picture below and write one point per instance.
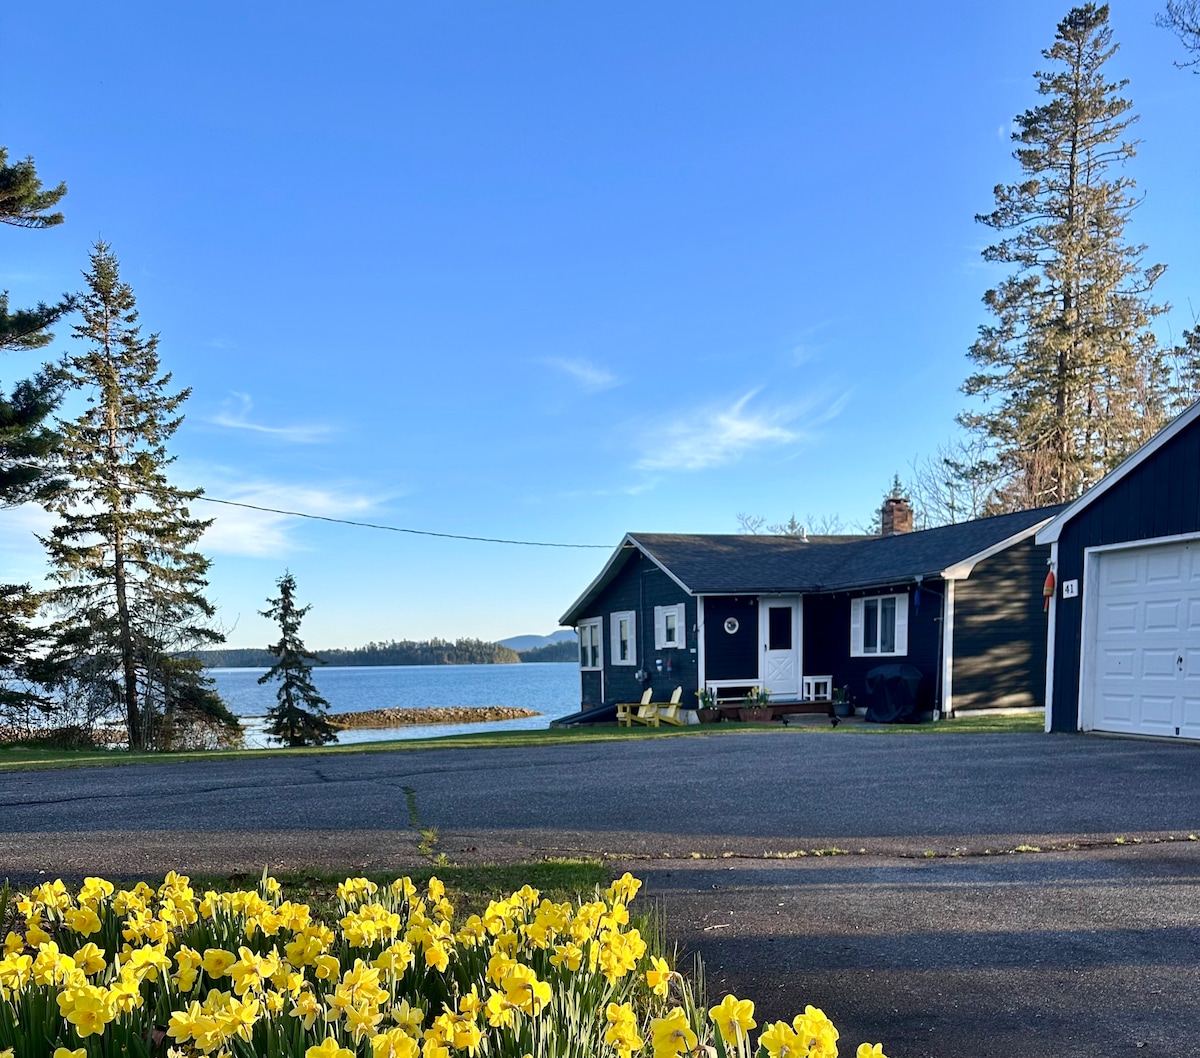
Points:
(1124, 631)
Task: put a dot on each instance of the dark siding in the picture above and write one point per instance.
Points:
(640, 587)
(1161, 497)
(827, 641)
(731, 657)
(1000, 631)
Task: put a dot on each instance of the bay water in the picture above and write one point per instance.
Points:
(552, 689)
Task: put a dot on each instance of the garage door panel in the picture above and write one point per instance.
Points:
(1118, 620)
(1164, 615)
(1143, 648)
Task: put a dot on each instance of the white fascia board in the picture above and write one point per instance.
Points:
(626, 541)
(962, 570)
(629, 541)
(1053, 531)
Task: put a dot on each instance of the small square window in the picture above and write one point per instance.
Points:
(879, 626)
(668, 626)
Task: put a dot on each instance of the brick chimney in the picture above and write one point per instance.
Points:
(897, 516)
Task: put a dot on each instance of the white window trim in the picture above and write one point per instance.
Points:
(614, 624)
(598, 624)
(660, 627)
(857, 626)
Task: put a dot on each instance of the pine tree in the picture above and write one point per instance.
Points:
(299, 717)
(129, 578)
(1074, 377)
(25, 442)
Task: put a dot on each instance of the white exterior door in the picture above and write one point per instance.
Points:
(779, 620)
(1141, 650)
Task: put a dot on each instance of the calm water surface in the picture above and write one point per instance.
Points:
(551, 689)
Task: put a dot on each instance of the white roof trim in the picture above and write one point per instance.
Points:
(962, 570)
(1053, 531)
(629, 540)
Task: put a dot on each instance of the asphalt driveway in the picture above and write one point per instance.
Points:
(878, 877)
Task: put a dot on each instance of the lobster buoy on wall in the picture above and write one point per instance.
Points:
(1048, 590)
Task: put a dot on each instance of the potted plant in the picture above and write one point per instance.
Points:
(707, 711)
(758, 705)
(842, 706)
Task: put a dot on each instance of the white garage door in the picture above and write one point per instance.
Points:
(1143, 654)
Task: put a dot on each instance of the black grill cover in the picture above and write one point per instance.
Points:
(892, 694)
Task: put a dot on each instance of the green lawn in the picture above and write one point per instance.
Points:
(25, 757)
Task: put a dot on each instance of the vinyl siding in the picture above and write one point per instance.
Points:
(1158, 498)
(1000, 631)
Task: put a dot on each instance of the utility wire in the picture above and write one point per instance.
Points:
(376, 525)
(398, 529)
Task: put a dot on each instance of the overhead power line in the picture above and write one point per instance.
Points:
(376, 525)
(397, 528)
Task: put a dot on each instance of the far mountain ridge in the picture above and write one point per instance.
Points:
(531, 642)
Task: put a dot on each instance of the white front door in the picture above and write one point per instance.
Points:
(779, 622)
(1142, 650)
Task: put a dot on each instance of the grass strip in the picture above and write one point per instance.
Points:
(24, 756)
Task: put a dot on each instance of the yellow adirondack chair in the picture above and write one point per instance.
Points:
(673, 713)
(625, 709)
(651, 714)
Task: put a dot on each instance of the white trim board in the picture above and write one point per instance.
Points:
(1051, 626)
(1054, 530)
(962, 570)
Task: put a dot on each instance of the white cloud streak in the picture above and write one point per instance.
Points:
(236, 416)
(587, 374)
(260, 534)
(718, 434)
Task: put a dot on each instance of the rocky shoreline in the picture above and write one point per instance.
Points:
(454, 714)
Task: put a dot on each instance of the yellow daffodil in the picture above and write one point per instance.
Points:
(870, 1050)
(59, 1052)
(329, 1048)
(671, 1035)
(734, 1018)
(658, 977)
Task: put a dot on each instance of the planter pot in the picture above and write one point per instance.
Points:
(708, 716)
(754, 715)
(843, 709)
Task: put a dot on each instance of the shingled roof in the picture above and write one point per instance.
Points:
(729, 564)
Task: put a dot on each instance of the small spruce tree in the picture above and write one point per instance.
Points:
(299, 717)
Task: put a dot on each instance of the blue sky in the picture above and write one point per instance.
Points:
(544, 271)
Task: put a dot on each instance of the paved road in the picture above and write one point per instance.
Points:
(1070, 954)
(789, 786)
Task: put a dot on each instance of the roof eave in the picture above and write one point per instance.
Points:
(962, 570)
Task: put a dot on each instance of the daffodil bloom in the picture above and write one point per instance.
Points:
(83, 920)
(658, 977)
(734, 1018)
(408, 1017)
(8, 1052)
(395, 1043)
(13, 944)
(817, 1032)
(621, 1033)
(523, 989)
(781, 1041)
(671, 1034)
(329, 1048)
(870, 1050)
(59, 1052)
(217, 962)
(90, 959)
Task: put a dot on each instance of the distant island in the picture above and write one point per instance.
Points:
(406, 652)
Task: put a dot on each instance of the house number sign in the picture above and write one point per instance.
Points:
(1070, 589)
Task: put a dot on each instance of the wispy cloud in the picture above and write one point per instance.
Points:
(587, 374)
(235, 415)
(260, 533)
(718, 434)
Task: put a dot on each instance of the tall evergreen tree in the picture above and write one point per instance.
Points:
(1073, 376)
(129, 580)
(299, 716)
(25, 441)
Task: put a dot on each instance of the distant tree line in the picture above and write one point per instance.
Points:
(396, 652)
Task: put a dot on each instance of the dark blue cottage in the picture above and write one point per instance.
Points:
(1124, 629)
(961, 605)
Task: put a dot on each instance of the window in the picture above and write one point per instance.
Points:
(879, 626)
(668, 626)
(623, 626)
(779, 627)
(589, 644)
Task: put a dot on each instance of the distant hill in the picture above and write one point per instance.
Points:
(566, 650)
(519, 643)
